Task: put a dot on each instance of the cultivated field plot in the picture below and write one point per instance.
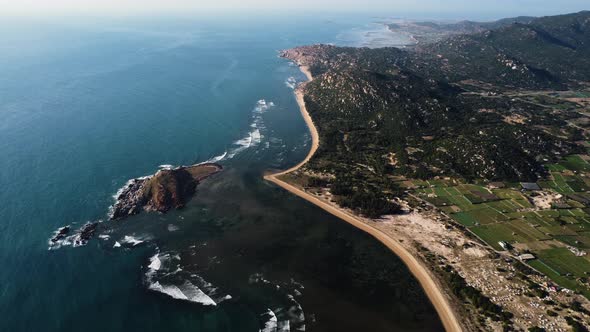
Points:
(552, 223)
(564, 262)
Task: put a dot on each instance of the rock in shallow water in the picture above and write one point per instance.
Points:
(60, 234)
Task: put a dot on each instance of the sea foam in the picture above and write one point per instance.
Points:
(291, 82)
(164, 275)
(77, 238)
(271, 323)
(132, 240)
(253, 138)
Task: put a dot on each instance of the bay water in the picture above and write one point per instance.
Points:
(88, 103)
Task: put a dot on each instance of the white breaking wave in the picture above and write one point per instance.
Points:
(188, 292)
(253, 138)
(217, 158)
(66, 237)
(284, 326)
(271, 323)
(164, 275)
(291, 82)
(155, 263)
(172, 290)
(288, 317)
(256, 137)
(133, 241)
(166, 167)
(262, 105)
(127, 184)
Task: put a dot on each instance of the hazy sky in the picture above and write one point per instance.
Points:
(386, 7)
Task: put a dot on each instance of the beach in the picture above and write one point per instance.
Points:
(420, 270)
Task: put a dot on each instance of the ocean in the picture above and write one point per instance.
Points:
(89, 103)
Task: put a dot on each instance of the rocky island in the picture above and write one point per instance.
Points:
(168, 189)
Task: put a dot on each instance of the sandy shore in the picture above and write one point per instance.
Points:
(416, 267)
(307, 72)
(315, 138)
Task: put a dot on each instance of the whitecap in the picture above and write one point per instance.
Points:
(64, 237)
(283, 326)
(291, 82)
(127, 184)
(133, 241)
(125, 188)
(272, 322)
(159, 278)
(255, 136)
(245, 142)
(195, 294)
(188, 292)
(155, 263)
(217, 159)
(169, 290)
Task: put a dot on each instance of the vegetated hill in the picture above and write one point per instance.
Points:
(398, 122)
(387, 111)
(548, 52)
(432, 31)
(473, 26)
(167, 189)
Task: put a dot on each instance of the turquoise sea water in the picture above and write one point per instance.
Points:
(88, 104)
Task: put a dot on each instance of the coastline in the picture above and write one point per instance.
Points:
(315, 137)
(432, 289)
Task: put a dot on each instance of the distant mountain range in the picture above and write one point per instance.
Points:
(462, 27)
(431, 31)
(545, 52)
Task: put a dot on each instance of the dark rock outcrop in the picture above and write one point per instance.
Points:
(167, 189)
(60, 234)
(85, 233)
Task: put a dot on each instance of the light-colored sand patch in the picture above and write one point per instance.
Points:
(544, 200)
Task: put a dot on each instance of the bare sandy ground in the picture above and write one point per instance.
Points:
(426, 279)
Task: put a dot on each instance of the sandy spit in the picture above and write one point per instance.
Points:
(415, 265)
